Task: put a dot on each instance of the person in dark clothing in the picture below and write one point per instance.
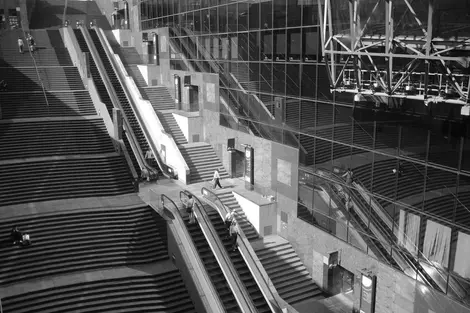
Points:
(229, 218)
(16, 235)
(3, 85)
(349, 176)
(190, 209)
(234, 234)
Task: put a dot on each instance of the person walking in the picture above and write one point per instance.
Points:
(31, 42)
(149, 154)
(349, 177)
(217, 179)
(234, 234)
(190, 209)
(20, 45)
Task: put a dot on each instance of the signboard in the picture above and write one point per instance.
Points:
(367, 300)
(177, 89)
(249, 167)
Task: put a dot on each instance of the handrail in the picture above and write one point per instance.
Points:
(208, 288)
(112, 93)
(156, 153)
(413, 264)
(249, 256)
(236, 285)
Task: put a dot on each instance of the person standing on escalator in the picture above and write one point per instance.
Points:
(234, 234)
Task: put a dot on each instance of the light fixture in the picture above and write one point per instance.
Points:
(358, 97)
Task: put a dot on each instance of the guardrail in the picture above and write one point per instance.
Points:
(276, 303)
(236, 285)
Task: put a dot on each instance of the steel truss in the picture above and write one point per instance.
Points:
(387, 66)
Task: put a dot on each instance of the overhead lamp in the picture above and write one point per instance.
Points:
(358, 97)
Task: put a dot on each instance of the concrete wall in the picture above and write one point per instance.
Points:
(190, 124)
(396, 292)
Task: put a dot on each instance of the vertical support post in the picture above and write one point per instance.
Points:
(117, 121)
(389, 42)
(330, 34)
(427, 64)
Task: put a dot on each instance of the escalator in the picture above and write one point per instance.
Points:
(239, 263)
(381, 225)
(126, 106)
(103, 93)
(212, 267)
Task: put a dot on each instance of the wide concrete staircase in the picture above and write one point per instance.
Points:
(84, 240)
(164, 292)
(202, 162)
(39, 138)
(171, 126)
(228, 199)
(53, 104)
(287, 272)
(53, 78)
(53, 144)
(239, 263)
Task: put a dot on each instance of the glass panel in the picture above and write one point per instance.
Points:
(279, 14)
(222, 19)
(206, 21)
(280, 45)
(440, 193)
(243, 46)
(311, 44)
(253, 46)
(444, 143)
(232, 17)
(387, 131)
(308, 85)
(322, 151)
(292, 80)
(266, 77)
(294, 13)
(414, 138)
(279, 82)
(267, 49)
(307, 116)
(254, 16)
(462, 214)
(310, 15)
(294, 44)
(322, 84)
(243, 13)
(436, 244)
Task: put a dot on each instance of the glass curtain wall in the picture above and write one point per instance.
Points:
(406, 199)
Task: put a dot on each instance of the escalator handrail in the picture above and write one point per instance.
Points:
(253, 263)
(112, 95)
(223, 259)
(208, 288)
(106, 48)
(413, 264)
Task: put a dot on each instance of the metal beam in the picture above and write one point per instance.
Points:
(330, 33)
(416, 17)
(389, 41)
(404, 56)
(428, 47)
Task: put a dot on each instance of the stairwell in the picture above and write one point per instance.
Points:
(202, 162)
(171, 126)
(228, 199)
(287, 272)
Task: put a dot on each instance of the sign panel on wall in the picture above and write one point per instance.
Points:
(249, 168)
(367, 299)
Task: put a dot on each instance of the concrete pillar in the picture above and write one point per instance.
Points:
(117, 121)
